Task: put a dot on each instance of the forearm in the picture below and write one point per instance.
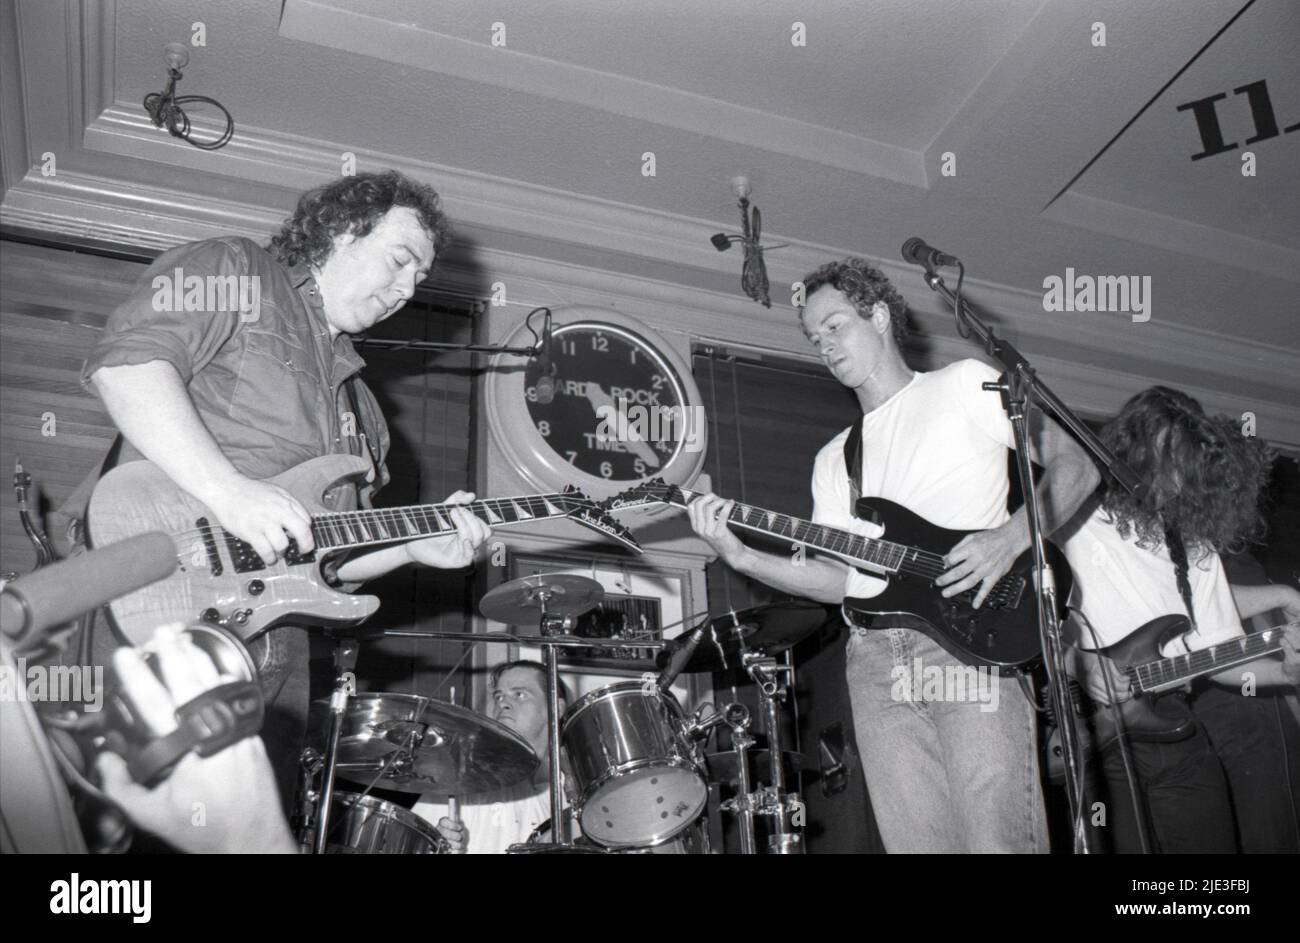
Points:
(1253, 600)
(820, 579)
(367, 566)
(1065, 485)
(1264, 672)
(152, 408)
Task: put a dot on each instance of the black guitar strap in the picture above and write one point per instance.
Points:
(853, 460)
(1178, 553)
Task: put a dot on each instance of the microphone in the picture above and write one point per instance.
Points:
(680, 657)
(59, 593)
(916, 251)
(546, 382)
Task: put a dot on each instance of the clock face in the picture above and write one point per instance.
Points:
(618, 411)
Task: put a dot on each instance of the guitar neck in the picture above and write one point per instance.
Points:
(880, 555)
(387, 525)
(1154, 676)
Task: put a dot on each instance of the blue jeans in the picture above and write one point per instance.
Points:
(950, 768)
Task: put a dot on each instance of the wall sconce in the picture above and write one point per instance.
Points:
(165, 107)
(753, 276)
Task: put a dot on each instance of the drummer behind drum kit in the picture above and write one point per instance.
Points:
(636, 765)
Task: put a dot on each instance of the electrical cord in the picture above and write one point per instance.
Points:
(164, 108)
(1118, 719)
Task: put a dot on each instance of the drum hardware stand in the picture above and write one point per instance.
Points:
(548, 626)
(345, 685)
(742, 804)
(774, 801)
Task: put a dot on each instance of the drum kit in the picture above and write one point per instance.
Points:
(637, 772)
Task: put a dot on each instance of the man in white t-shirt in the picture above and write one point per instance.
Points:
(945, 772)
(492, 822)
(1204, 480)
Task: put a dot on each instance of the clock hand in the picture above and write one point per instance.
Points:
(599, 399)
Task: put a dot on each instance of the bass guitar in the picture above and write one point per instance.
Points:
(909, 555)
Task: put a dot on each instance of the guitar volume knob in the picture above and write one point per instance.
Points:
(256, 587)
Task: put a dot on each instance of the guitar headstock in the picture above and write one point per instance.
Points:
(593, 515)
(647, 494)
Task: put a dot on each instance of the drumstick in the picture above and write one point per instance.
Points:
(453, 809)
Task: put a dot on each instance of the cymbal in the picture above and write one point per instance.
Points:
(723, 767)
(771, 628)
(520, 602)
(435, 748)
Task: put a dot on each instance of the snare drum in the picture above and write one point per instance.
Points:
(373, 826)
(634, 768)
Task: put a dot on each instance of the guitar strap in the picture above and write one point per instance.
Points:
(1178, 553)
(853, 461)
(363, 432)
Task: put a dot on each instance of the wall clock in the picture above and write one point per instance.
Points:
(625, 407)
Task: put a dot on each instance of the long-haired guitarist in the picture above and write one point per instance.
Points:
(231, 363)
(1136, 560)
(945, 771)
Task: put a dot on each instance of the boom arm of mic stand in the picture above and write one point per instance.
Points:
(532, 351)
(1015, 363)
(1020, 385)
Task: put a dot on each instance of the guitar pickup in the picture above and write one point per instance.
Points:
(215, 566)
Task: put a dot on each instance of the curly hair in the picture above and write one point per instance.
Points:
(354, 205)
(864, 286)
(1205, 478)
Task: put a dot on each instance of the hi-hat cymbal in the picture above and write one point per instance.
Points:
(770, 628)
(521, 602)
(435, 748)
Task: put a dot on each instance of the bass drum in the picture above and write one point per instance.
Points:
(693, 840)
(366, 825)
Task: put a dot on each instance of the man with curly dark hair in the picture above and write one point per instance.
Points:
(945, 773)
(231, 387)
(1138, 558)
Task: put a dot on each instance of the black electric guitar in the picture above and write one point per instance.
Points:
(222, 580)
(1003, 632)
(1143, 680)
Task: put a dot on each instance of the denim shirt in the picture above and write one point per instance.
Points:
(255, 355)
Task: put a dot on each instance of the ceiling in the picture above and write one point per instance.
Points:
(539, 144)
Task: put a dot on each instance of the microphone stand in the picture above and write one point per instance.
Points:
(534, 350)
(1018, 385)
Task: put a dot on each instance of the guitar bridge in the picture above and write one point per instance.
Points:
(1007, 593)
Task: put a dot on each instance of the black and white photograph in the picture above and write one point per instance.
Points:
(754, 427)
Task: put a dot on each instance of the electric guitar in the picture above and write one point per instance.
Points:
(1003, 632)
(222, 580)
(1152, 714)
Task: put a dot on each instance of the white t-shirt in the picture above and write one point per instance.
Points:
(1120, 586)
(499, 819)
(938, 447)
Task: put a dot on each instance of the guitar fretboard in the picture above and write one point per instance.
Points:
(883, 555)
(383, 525)
(1154, 676)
